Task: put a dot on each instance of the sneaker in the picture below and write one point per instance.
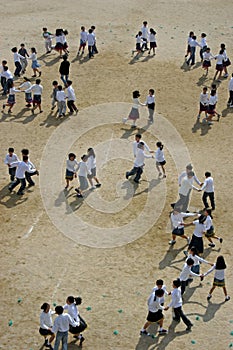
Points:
(127, 175)
(227, 298)
(77, 190)
(98, 185)
(20, 193)
(210, 123)
(172, 242)
(198, 117)
(46, 342)
(189, 327)
(209, 297)
(31, 185)
(81, 340)
(92, 188)
(124, 120)
(163, 331)
(144, 332)
(53, 108)
(188, 240)
(231, 106)
(220, 240)
(79, 195)
(136, 181)
(212, 245)
(186, 253)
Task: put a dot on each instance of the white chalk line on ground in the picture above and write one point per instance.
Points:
(27, 234)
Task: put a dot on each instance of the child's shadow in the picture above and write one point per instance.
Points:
(135, 59)
(202, 80)
(152, 183)
(81, 59)
(51, 120)
(226, 111)
(52, 62)
(185, 67)
(147, 58)
(197, 65)
(210, 312)
(169, 257)
(196, 126)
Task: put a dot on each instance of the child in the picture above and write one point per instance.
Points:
(134, 113)
(71, 98)
(91, 164)
(3, 79)
(46, 324)
(10, 158)
(138, 138)
(160, 159)
(196, 260)
(54, 94)
(188, 51)
(207, 56)
(48, 40)
(210, 228)
(145, 34)
(11, 98)
(35, 64)
(185, 273)
(203, 45)
(138, 163)
(204, 102)
(159, 285)
(72, 309)
(219, 65)
(150, 103)
(138, 44)
(8, 78)
(197, 237)
(211, 107)
(230, 89)
(61, 327)
(152, 40)
(22, 167)
(33, 171)
(28, 95)
(176, 304)
(61, 101)
(71, 168)
(219, 277)
(226, 61)
(177, 222)
(90, 42)
(23, 52)
(83, 40)
(208, 188)
(154, 312)
(64, 69)
(59, 41)
(37, 90)
(17, 58)
(193, 44)
(95, 51)
(82, 175)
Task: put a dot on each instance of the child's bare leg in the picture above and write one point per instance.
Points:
(225, 291)
(163, 169)
(158, 168)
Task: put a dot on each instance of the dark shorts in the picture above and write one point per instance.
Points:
(178, 231)
(69, 175)
(226, 63)
(43, 331)
(219, 283)
(93, 173)
(138, 47)
(37, 99)
(80, 328)
(211, 109)
(151, 105)
(161, 163)
(154, 316)
(219, 67)
(58, 46)
(11, 100)
(82, 43)
(197, 242)
(203, 108)
(28, 97)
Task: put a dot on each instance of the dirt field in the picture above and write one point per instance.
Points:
(54, 245)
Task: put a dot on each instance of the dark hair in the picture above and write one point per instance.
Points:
(70, 299)
(44, 306)
(194, 250)
(84, 157)
(213, 92)
(194, 37)
(203, 35)
(14, 49)
(152, 31)
(209, 211)
(205, 88)
(26, 79)
(44, 29)
(220, 263)
(33, 49)
(25, 152)
(158, 293)
(59, 87)
(11, 149)
(136, 94)
(177, 283)
(223, 46)
(65, 32)
(4, 62)
(191, 173)
(69, 82)
(145, 22)
(189, 167)
(91, 152)
(221, 51)
(71, 154)
(208, 48)
(38, 81)
(202, 219)
(191, 34)
(5, 68)
(160, 145)
(93, 27)
(214, 86)
(78, 300)
(25, 158)
(22, 44)
(138, 136)
(152, 91)
(207, 174)
(82, 28)
(11, 84)
(189, 262)
(55, 83)
(90, 31)
(159, 282)
(59, 310)
(65, 58)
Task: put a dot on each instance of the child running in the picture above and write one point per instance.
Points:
(210, 228)
(17, 58)
(91, 164)
(71, 169)
(219, 277)
(160, 159)
(185, 274)
(71, 98)
(177, 222)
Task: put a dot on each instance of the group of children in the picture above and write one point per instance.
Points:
(70, 321)
(190, 269)
(86, 170)
(143, 37)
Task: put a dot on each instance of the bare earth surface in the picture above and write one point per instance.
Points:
(54, 245)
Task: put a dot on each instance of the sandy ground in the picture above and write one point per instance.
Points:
(40, 260)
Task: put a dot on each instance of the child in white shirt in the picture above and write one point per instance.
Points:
(71, 168)
(61, 101)
(82, 175)
(10, 158)
(91, 164)
(160, 159)
(83, 40)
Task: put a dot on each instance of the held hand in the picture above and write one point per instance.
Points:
(37, 172)
(166, 308)
(201, 184)
(75, 175)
